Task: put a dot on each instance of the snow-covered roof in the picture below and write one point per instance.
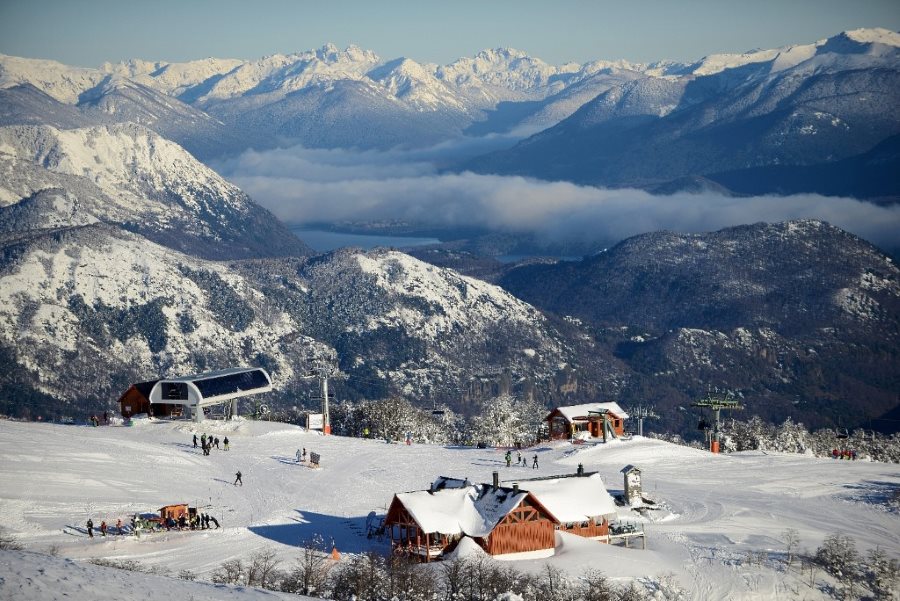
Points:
(580, 412)
(473, 510)
(630, 468)
(572, 498)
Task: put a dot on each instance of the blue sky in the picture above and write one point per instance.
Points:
(90, 32)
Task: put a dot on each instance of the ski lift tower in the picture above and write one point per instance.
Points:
(716, 403)
(642, 413)
(323, 370)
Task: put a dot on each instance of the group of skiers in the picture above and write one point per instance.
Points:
(196, 522)
(848, 454)
(104, 528)
(523, 461)
(208, 442)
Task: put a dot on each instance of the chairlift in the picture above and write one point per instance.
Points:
(435, 412)
(843, 433)
(703, 425)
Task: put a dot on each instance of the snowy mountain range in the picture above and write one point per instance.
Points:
(727, 116)
(721, 118)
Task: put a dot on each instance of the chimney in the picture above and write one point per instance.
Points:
(580, 470)
(496, 479)
(516, 488)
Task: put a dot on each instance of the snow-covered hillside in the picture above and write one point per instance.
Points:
(719, 511)
(127, 174)
(89, 310)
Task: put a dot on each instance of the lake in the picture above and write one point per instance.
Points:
(324, 241)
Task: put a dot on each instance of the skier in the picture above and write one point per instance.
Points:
(214, 521)
(203, 441)
(134, 523)
(518, 458)
(216, 441)
(195, 441)
(103, 528)
(90, 527)
(225, 442)
(508, 458)
(118, 526)
(238, 479)
(534, 465)
(304, 453)
(298, 455)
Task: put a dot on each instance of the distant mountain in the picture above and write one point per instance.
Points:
(318, 97)
(128, 175)
(799, 316)
(794, 106)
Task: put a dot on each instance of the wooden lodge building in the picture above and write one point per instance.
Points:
(501, 519)
(579, 503)
(429, 523)
(600, 420)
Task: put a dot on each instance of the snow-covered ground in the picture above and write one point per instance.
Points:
(717, 508)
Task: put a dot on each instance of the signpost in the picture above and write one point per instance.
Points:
(315, 421)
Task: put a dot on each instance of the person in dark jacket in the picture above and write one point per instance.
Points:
(214, 521)
(237, 479)
(195, 441)
(90, 527)
(225, 442)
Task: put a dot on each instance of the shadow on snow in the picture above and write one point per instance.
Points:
(347, 533)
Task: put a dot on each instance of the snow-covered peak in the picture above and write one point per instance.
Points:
(856, 41)
(172, 78)
(461, 299)
(414, 83)
(62, 82)
(875, 35)
(126, 161)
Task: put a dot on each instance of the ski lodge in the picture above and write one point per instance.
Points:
(192, 394)
(600, 420)
(579, 503)
(501, 519)
(429, 523)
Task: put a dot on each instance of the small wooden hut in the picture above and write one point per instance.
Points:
(593, 418)
(136, 399)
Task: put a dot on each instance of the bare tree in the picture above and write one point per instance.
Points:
(791, 540)
(263, 567)
(311, 571)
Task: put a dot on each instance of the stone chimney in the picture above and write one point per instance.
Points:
(496, 479)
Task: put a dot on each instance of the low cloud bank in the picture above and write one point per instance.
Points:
(307, 185)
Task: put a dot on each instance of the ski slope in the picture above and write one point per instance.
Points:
(716, 508)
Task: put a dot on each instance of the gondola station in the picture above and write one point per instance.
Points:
(189, 396)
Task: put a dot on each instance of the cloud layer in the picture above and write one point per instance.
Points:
(304, 185)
